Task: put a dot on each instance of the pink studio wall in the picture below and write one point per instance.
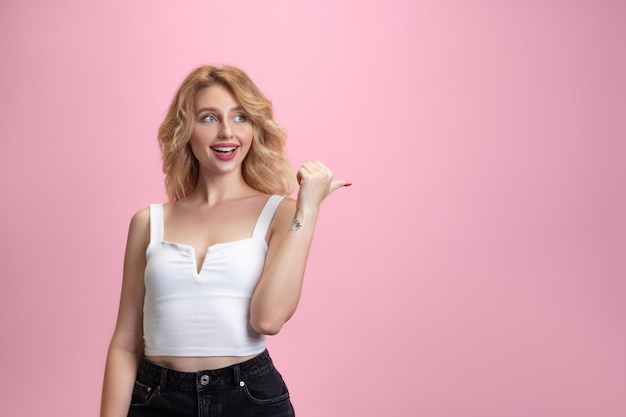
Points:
(475, 268)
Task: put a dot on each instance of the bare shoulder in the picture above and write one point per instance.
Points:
(139, 229)
(141, 219)
(141, 216)
(287, 207)
(284, 215)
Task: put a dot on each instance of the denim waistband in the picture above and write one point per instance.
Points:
(153, 374)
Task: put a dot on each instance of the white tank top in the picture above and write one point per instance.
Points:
(187, 313)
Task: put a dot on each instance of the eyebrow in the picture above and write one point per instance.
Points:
(213, 109)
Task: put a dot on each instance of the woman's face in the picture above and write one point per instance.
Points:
(222, 132)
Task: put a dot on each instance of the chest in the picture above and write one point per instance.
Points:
(204, 234)
(232, 267)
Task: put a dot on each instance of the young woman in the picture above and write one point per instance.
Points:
(210, 273)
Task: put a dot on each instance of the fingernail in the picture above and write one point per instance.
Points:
(347, 184)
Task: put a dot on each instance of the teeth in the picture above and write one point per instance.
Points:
(224, 149)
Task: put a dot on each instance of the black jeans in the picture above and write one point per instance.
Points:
(251, 388)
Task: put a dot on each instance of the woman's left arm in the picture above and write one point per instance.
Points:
(278, 291)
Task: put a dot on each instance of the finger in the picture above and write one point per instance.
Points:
(323, 169)
(302, 174)
(335, 185)
(320, 166)
(316, 167)
(319, 170)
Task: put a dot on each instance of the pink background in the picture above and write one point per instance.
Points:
(475, 268)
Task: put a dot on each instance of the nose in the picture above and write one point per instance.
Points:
(225, 131)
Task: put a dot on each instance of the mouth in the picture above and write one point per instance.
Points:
(225, 152)
(224, 149)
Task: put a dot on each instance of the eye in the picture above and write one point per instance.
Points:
(209, 118)
(240, 118)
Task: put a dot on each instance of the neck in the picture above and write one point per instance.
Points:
(212, 189)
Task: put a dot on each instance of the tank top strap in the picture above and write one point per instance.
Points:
(266, 216)
(156, 223)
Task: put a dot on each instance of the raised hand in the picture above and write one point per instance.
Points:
(316, 183)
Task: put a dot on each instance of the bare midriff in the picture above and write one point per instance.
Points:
(197, 363)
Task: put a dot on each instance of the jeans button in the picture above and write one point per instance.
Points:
(204, 379)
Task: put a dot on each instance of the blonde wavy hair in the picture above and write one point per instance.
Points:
(265, 167)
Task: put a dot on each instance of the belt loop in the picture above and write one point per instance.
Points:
(163, 383)
(237, 375)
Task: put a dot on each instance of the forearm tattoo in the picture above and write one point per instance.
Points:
(295, 224)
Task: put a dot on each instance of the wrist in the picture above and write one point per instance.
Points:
(307, 211)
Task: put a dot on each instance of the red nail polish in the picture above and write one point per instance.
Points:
(347, 184)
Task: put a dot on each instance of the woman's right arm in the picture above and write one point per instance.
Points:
(126, 348)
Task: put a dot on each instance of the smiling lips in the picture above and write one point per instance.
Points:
(225, 151)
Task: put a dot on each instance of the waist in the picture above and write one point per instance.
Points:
(197, 363)
(153, 374)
